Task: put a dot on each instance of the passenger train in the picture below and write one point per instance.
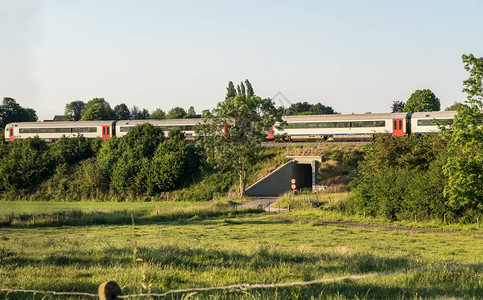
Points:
(298, 128)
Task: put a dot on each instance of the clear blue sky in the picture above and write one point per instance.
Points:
(356, 56)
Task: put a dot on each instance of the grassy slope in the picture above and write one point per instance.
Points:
(229, 248)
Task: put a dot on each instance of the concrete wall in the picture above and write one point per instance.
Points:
(278, 182)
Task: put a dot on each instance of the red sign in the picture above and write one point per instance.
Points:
(293, 186)
(292, 181)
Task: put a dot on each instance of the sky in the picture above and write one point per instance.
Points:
(356, 56)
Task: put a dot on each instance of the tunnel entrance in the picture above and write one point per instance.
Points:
(302, 173)
(302, 167)
(278, 182)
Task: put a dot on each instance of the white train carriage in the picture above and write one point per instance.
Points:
(346, 127)
(50, 131)
(187, 126)
(426, 122)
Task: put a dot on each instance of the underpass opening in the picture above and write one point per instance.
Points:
(302, 173)
(279, 181)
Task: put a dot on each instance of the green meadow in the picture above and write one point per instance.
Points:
(213, 244)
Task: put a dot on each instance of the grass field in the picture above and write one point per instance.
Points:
(201, 245)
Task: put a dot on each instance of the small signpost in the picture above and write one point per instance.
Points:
(293, 186)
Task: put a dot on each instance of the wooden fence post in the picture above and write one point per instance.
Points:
(109, 290)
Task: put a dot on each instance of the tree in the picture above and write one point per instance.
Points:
(305, 108)
(319, 109)
(138, 114)
(73, 110)
(465, 168)
(234, 130)
(122, 112)
(191, 112)
(422, 100)
(454, 107)
(249, 88)
(168, 166)
(397, 106)
(97, 112)
(230, 90)
(125, 163)
(11, 111)
(158, 114)
(176, 113)
(298, 108)
(98, 109)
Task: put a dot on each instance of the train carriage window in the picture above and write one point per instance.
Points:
(342, 124)
(395, 125)
(434, 122)
(380, 124)
(357, 124)
(126, 128)
(425, 122)
(400, 125)
(107, 131)
(323, 125)
(331, 124)
(311, 125)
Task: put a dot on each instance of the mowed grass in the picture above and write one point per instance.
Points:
(205, 246)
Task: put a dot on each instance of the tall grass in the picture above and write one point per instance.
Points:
(61, 215)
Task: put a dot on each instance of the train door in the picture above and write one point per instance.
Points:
(397, 127)
(270, 134)
(106, 132)
(11, 137)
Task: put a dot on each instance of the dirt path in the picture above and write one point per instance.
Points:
(387, 227)
(264, 203)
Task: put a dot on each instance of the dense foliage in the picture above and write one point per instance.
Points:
(464, 168)
(402, 178)
(305, 108)
(11, 111)
(143, 163)
(422, 100)
(433, 176)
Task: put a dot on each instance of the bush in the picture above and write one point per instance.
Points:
(402, 178)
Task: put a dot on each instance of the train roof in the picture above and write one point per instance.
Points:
(346, 117)
(434, 114)
(62, 124)
(164, 122)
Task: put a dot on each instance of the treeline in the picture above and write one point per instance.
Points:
(436, 176)
(100, 109)
(142, 163)
(410, 178)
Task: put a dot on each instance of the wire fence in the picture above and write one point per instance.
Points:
(246, 287)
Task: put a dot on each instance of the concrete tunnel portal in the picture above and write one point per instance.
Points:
(302, 168)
